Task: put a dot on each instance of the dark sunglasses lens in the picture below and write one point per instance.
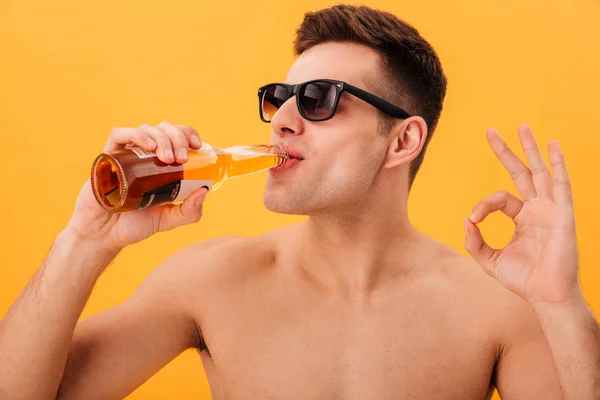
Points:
(318, 99)
(273, 97)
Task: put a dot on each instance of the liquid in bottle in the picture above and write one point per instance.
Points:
(133, 178)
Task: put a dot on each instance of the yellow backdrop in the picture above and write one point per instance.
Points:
(72, 70)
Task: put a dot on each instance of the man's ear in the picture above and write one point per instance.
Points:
(406, 140)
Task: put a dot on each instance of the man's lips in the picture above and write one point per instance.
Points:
(293, 152)
(288, 164)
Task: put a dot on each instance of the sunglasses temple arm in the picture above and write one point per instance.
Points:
(377, 102)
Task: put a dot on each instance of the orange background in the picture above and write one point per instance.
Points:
(71, 70)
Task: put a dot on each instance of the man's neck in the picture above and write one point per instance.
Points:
(354, 254)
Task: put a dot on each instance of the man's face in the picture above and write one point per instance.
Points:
(341, 155)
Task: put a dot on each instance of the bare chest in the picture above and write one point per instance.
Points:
(281, 348)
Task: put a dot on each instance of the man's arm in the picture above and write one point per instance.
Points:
(540, 264)
(525, 368)
(548, 345)
(110, 354)
(36, 332)
(116, 351)
(573, 335)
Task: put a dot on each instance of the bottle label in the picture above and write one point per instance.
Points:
(141, 153)
(188, 186)
(172, 192)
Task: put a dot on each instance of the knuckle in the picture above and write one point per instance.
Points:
(115, 131)
(138, 134)
(143, 130)
(161, 136)
(503, 150)
(524, 172)
(483, 209)
(484, 202)
(181, 140)
(538, 170)
(161, 143)
(188, 130)
(563, 181)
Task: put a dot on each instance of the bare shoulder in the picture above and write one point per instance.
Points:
(511, 316)
(227, 266)
(212, 266)
(523, 363)
(219, 260)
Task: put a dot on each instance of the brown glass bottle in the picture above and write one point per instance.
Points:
(133, 178)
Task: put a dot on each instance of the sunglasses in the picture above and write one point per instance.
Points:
(318, 99)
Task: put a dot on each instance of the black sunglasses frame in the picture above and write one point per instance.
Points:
(340, 87)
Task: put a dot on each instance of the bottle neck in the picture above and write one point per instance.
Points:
(244, 160)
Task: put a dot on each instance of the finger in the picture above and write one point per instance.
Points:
(188, 212)
(192, 136)
(164, 149)
(503, 201)
(178, 140)
(479, 249)
(120, 137)
(540, 174)
(563, 193)
(521, 175)
(141, 138)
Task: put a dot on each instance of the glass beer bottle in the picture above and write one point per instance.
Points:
(133, 178)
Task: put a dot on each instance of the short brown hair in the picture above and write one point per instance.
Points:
(418, 83)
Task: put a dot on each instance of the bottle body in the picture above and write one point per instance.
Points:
(133, 178)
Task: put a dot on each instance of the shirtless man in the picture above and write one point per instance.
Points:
(353, 303)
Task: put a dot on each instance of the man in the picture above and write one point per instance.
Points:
(353, 303)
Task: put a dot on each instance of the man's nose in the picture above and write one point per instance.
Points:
(287, 119)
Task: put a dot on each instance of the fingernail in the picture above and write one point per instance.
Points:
(150, 143)
(182, 154)
(473, 217)
(168, 154)
(196, 140)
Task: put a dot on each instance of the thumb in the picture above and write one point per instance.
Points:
(479, 249)
(188, 212)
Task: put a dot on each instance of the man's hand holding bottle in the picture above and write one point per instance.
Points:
(113, 231)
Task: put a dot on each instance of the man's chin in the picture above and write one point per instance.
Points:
(281, 208)
(282, 205)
